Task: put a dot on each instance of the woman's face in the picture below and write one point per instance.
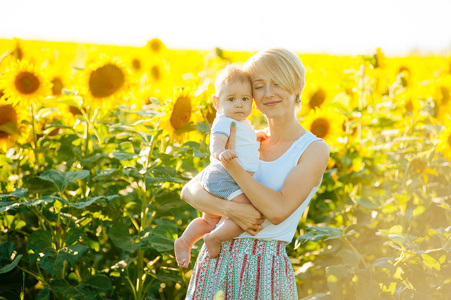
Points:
(271, 99)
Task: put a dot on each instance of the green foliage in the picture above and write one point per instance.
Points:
(379, 227)
(97, 219)
(92, 213)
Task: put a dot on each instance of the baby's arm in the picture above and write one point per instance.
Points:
(217, 148)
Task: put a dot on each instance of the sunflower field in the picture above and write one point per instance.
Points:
(97, 141)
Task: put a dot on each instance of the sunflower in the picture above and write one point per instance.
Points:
(409, 102)
(57, 86)
(2, 93)
(326, 124)
(156, 72)
(106, 80)
(136, 64)
(317, 98)
(379, 59)
(25, 84)
(442, 99)
(155, 45)
(404, 76)
(10, 120)
(444, 144)
(210, 113)
(178, 115)
(18, 52)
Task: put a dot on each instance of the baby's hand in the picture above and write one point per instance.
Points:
(261, 135)
(227, 155)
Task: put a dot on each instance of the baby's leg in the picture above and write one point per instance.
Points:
(194, 232)
(224, 232)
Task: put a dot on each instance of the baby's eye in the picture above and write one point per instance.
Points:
(231, 99)
(245, 98)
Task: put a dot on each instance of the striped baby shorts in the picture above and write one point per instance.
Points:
(217, 181)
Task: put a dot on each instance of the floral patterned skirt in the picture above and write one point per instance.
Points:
(246, 268)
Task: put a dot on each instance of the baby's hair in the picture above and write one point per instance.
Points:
(228, 75)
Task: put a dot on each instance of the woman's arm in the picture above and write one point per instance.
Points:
(243, 214)
(276, 206)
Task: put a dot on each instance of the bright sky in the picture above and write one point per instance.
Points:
(305, 26)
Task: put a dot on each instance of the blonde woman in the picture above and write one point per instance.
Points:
(291, 166)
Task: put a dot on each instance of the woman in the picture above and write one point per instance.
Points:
(292, 162)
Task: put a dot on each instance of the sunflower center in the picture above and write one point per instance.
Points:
(106, 80)
(445, 95)
(155, 72)
(8, 121)
(57, 87)
(155, 45)
(26, 82)
(136, 64)
(320, 127)
(317, 98)
(182, 112)
(409, 106)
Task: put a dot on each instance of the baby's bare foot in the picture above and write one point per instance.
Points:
(213, 245)
(182, 252)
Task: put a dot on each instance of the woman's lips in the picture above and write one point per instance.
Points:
(271, 103)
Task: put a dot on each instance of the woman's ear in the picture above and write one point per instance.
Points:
(215, 101)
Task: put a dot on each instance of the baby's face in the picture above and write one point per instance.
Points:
(235, 100)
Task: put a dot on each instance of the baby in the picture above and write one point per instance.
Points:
(233, 103)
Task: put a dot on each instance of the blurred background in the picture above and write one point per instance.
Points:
(105, 114)
(325, 26)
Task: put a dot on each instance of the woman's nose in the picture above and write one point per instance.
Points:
(269, 91)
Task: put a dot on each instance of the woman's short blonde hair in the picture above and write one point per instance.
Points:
(283, 66)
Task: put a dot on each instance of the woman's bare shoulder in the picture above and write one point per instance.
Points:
(318, 151)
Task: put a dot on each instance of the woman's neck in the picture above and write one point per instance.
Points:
(284, 129)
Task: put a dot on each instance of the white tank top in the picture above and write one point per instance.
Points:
(273, 175)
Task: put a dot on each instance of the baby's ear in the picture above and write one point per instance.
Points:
(215, 101)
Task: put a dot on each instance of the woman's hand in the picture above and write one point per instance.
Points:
(246, 216)
(262, 135)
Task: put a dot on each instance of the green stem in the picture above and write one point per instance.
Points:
(35, 276)
(85, 154)
(42, 219)
(149, 284)
(139, 281)
(347, 242)
(35, 140)
(135, 296)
